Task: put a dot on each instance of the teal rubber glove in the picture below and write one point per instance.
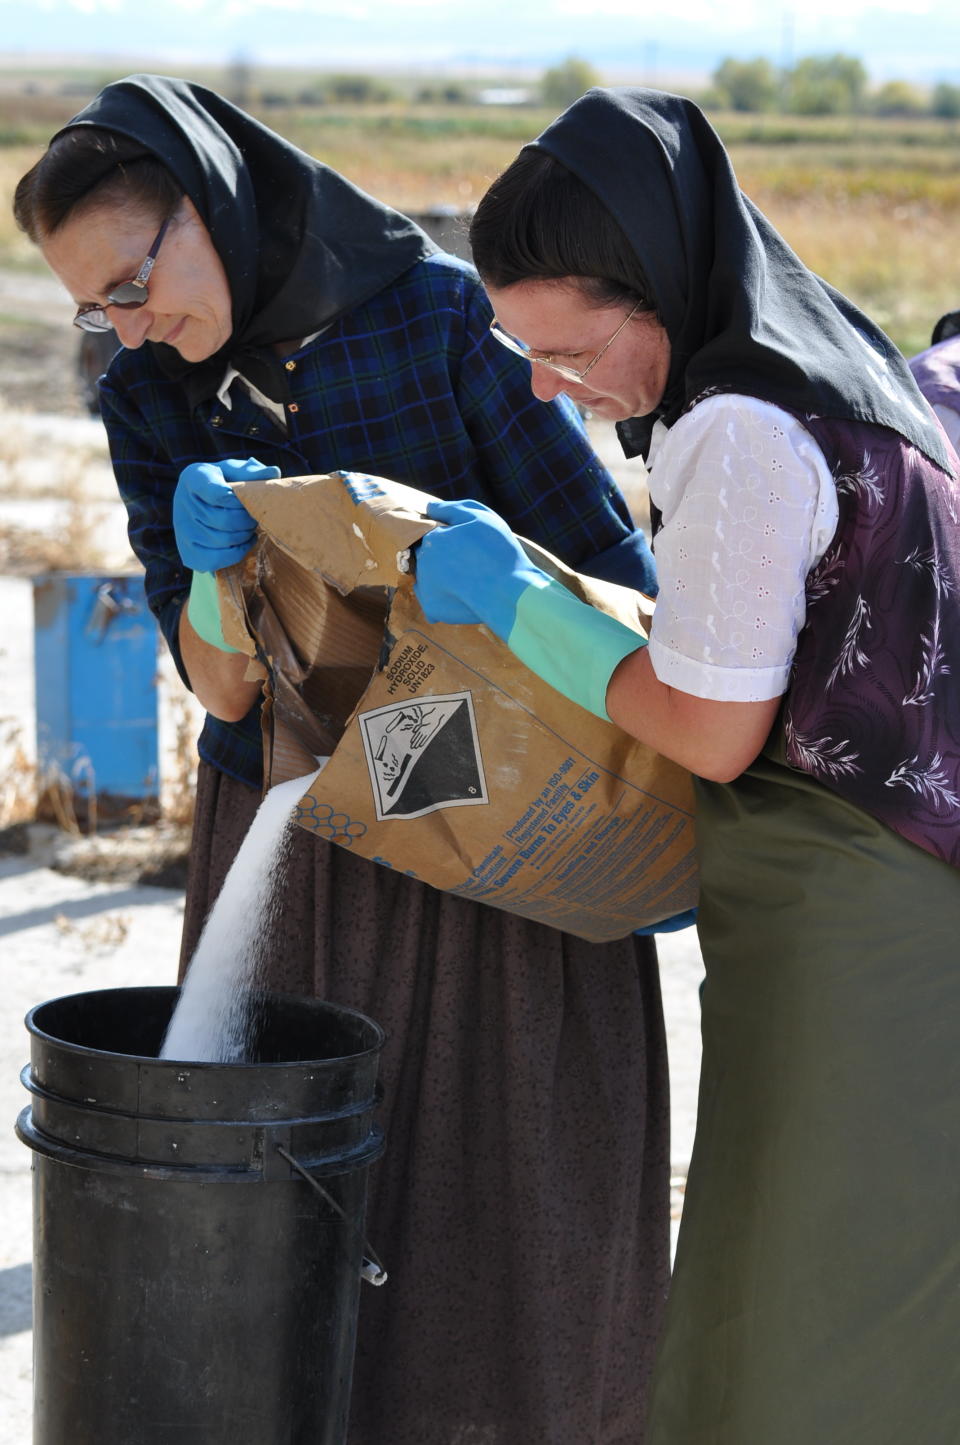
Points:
(203, 610)
(212, 526)
(473, 569)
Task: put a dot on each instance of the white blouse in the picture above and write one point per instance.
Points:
(749, 506)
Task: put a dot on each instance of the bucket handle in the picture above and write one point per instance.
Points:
(370, 1269)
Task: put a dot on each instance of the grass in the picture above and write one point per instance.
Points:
(17, 776)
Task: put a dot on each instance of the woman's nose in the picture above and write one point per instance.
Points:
(131, 325)
(545, 384)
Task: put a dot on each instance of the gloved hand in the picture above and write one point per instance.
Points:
(212, 526)
(474, 569)
(213, 529)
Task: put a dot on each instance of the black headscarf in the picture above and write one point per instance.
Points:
(299, 243)
(741, 310)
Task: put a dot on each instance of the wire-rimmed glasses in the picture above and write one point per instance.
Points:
(569, 373)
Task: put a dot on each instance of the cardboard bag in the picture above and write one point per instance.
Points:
(448, 759)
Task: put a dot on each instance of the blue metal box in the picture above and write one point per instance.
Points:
(96, 683)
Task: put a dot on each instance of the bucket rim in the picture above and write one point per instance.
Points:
(344, 1159)
(154, 1060)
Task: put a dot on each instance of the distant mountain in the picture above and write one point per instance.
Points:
(622, 39)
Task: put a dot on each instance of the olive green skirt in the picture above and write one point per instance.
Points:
(816, 1296)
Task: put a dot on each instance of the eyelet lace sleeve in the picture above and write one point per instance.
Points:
(748, 507)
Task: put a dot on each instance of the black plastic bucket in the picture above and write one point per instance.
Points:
(198, 1228)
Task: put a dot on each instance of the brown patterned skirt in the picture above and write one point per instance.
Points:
(522, 1206)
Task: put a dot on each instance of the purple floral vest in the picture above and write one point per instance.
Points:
(872, 710)
(937, 373)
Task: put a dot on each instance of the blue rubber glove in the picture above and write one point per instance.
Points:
(670, 925)
(212, 526)
(474, 569)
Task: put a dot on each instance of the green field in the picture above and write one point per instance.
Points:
(872, 205)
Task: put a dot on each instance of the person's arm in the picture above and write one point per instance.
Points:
(472, 569)
(216, 677)
(214, 530)
(735, 559)
(715, 740)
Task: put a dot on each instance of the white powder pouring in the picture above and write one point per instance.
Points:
(210, 1022)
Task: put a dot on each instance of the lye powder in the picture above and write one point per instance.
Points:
(209, 1023)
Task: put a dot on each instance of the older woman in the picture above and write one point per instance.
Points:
(804, 662)
(266, 306)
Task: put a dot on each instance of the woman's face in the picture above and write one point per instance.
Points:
(556, 319)
(188, 302)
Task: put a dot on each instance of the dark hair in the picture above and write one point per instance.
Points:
(86, 166)
(539, 222)
(947, 326)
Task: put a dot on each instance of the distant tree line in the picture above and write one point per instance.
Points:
(332, 90)
(560, 86)
(817, 85)
(823, 85)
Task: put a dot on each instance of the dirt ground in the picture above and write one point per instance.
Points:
(39, 348)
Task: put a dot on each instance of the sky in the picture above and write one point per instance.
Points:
(642, 40)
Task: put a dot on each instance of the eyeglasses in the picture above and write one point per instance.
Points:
(568, 373)
(128, 295)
